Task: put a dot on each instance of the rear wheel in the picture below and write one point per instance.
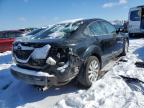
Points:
(90, 72)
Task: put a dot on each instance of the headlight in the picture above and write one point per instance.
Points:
(41, 53)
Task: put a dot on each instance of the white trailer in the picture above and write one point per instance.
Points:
(136, 21)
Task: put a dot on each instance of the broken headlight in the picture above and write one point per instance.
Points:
(57, 56)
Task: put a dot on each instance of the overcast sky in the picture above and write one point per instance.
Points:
(16, 14)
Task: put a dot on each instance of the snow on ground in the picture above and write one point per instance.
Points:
(5, 63)
(17, 94)
(5, 60)
(121, 87)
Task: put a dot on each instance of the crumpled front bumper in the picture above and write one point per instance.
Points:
(48, 74)
(34, 77)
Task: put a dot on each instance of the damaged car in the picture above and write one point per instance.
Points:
(74, 49)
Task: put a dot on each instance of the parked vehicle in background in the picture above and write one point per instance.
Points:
(121, 25)
(76, 49)
(6, 44)
(125, 27)
(136, 21)
(7, 37)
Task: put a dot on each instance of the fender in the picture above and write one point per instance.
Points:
(125, 37)
(92, 50)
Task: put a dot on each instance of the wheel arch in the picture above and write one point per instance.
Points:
(127, 39)
(99, 58)
(93, 51)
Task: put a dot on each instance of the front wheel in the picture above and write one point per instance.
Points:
(91, 71)
(125, 48)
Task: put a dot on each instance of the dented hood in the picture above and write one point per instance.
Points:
(56, 41)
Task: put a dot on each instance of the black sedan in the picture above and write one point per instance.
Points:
(76, 49)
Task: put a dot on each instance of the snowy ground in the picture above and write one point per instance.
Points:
(17, 94)
(121, 87)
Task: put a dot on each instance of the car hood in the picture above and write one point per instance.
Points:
(55, 41)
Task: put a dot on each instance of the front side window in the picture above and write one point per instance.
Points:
(135, 15)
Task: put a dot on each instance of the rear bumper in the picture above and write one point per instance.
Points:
(34, 77)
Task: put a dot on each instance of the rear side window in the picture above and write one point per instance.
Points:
(94, 29)
(135, 15)
(109, 27)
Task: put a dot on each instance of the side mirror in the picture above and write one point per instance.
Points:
(119, 30)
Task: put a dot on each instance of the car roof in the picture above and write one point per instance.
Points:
(83, 20)
(92, 19)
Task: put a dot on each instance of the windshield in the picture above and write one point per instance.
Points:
(57, 31)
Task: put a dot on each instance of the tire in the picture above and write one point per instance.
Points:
(130, 35)
(91, 71)
(125, 48)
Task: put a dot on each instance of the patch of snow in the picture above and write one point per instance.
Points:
(56, 35)
(5, 77)
(4, 66)
(72, 20)
(109, 92)
(5, 53)
(5, 60)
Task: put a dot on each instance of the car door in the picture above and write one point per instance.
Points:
(103, 39)
(116, 39)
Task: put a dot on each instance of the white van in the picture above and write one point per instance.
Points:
(136, 21)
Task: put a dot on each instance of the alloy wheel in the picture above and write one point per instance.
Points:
(93, 71)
